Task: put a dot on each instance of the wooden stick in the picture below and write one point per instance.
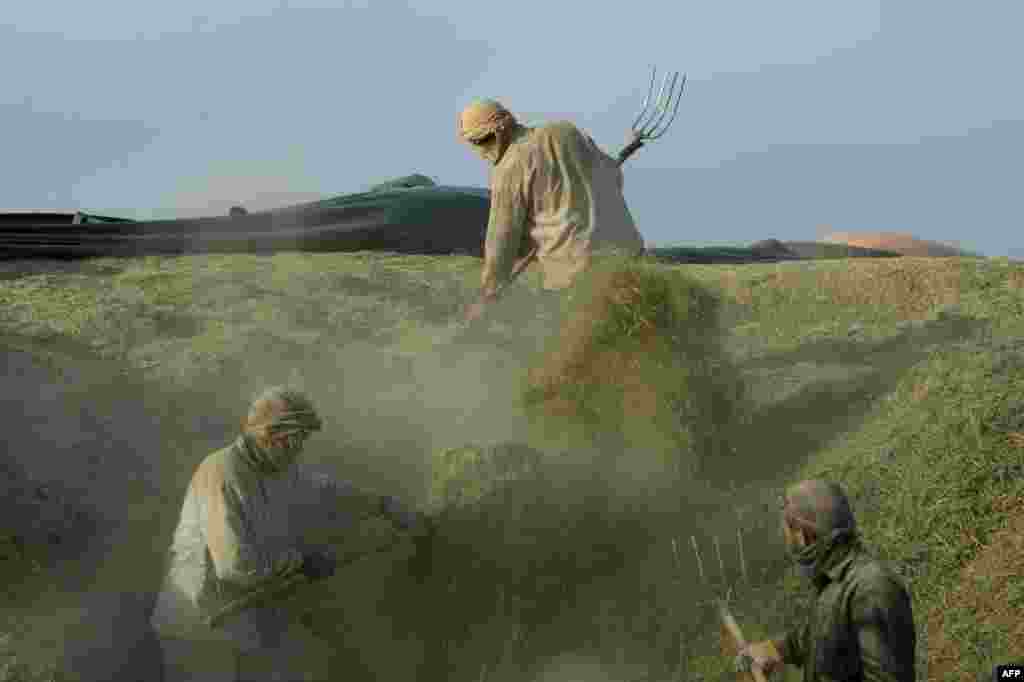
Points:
(282, 588)
(523, 263)
(733, 628)
(629, 149)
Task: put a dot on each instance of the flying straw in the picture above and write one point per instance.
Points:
(700, 563)
(721, 564)
(743, 561)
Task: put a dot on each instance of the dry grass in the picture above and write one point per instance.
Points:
(642, 346)
(908, 287)
(629, 318)
(937, 482)
(936, 497)
(991, 589)
(902, 243)
(1015, 279)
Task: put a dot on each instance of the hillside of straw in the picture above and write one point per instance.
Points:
(581, 459)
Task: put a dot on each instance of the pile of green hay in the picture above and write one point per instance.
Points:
(635, 385)
(639, 365)
(470, 476)
(519, 532)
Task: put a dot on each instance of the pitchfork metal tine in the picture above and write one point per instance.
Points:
(675, 110)
(657, 130)
(650, 123)
(657, 104)
(647, 99)
(663, 105)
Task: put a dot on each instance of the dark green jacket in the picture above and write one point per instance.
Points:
(860, 627)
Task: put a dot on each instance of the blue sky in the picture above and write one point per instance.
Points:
(904, 116)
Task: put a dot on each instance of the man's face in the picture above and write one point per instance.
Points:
(288, 446)
(792, 537)
(489, 147)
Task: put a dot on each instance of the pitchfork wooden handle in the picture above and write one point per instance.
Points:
(629, 149)
(518, 268)
(734, 631)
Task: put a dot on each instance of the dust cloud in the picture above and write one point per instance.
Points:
(125, 447)
(217, 193)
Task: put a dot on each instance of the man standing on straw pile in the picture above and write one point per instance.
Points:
(861, 626)
(555, 196)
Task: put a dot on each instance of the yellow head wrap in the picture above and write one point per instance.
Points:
(482, 118)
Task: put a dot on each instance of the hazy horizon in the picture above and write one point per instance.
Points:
(797, 115)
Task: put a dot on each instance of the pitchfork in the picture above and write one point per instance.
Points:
(721, 602)
(650, 124)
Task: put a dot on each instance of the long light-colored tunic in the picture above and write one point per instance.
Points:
(555, 187)
(238, 529)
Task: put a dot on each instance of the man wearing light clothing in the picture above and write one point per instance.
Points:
(238, 543)
(555, 195)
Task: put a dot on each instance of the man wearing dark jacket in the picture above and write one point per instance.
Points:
(861, 625)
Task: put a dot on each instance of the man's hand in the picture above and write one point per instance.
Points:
(413, 522)
(318, 565)
(474, 311)
(761, 654)
(420, 529)
(422, 526)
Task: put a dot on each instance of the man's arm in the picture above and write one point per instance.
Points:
(884, 623)
(347, 504)
(343, 503)
(505, 230)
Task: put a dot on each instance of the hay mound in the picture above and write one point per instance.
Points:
(471, 475)
(905, 244)
(640, 354)
(519, 532)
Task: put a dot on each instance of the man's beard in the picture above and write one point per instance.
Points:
(492, 151)
(489, 154)
(804, 559)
